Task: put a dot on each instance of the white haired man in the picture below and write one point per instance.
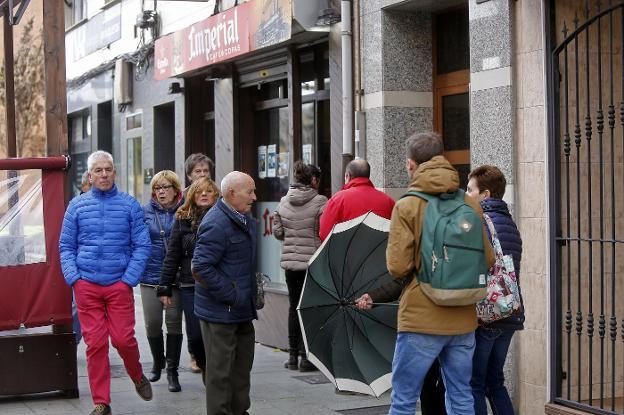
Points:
(104, 248)
(224, 264)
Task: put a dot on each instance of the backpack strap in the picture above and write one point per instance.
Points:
(424, 196)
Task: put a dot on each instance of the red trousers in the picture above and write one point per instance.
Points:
(107, 311)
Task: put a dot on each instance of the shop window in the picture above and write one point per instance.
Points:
(22, 235)
(451, 107)
(134, 165)
(315, 122)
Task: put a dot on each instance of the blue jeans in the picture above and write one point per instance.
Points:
(193, 330)
(488, 379)
(413, 355)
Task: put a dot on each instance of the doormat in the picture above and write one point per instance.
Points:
(367, 410)
(317, 379)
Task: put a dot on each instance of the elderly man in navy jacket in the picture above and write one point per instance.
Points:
(224, 264)
(104, 247)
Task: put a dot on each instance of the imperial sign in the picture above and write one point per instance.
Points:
(250, 26)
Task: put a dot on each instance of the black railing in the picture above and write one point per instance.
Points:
(588, 231)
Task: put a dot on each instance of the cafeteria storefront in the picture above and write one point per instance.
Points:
(258, 96)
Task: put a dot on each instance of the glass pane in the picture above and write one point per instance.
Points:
(22, 235)
(308, 75)
(273, 90)
(273, 165)
(452, 41)
(326, 80)
(456, 122)
(28, 56)
(135, 168)
(273, 183)
(308, 132)
(79, 166)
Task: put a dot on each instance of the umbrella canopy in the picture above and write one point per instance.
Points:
(352, 348)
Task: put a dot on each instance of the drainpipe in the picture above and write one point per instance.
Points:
(347, 84)
(360, 116)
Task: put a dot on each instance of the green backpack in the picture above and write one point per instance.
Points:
(453, 267)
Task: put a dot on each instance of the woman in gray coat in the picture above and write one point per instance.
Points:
(296, 222)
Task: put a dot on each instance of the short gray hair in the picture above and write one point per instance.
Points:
(422, 147)
(99, 155)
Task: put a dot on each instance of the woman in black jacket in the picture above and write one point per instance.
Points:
(176, 270)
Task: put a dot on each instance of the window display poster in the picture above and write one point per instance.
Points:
(262, 162)
(307, 153)
(271, 160)
(282, 165)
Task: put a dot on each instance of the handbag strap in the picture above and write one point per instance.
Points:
(494, 235)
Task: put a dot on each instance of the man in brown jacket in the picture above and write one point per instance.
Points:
(427, 331)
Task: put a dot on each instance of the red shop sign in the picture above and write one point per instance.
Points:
(253, 25)
(217, 38)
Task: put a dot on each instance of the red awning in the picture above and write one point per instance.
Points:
(34, 290)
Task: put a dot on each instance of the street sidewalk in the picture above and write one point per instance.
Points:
(274, 390)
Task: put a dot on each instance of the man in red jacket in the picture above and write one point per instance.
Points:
(357, 197)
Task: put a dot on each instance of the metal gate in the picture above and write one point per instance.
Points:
(587, 206)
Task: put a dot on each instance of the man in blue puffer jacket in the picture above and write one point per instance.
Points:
(104, 247)
(224, 265)
(487, 185)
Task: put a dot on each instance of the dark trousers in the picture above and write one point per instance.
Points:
(294, 282)
(193, 331)
(488, 378)
(432, 393)
(229, 358)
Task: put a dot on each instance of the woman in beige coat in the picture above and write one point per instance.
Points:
(296, 222)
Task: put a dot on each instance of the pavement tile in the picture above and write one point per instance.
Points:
(274, 390)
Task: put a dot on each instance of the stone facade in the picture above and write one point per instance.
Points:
(507, 128)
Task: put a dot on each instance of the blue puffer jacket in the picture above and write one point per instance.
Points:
(225, 261)
(155, 261)
(104, 239)
(511, 242)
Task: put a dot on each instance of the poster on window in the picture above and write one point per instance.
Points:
(307, 153)
(262, 162)
(271, 160)
(282, 165)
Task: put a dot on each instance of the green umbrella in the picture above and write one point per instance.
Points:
(352, 348)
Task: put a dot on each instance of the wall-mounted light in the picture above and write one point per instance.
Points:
(175, 88)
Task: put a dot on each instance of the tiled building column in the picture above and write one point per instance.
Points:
(397, 83)
(531, 206)
(491, 99)
(492, 111)
(224, 127)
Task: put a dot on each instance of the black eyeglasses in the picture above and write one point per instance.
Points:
(163, 187)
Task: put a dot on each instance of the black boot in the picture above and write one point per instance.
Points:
(157, 348)
(292, 363)
(174, 347)
(305, 365)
